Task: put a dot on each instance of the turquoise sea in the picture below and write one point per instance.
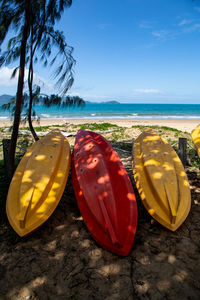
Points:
(117, 111)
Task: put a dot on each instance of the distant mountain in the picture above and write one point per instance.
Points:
(104, 102)
(111, 102)
(4, 99)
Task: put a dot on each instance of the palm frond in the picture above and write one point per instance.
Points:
(14, 72)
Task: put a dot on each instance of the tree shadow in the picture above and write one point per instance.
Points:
(61, 260)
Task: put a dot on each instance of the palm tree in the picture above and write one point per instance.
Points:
(41, 16)
(43, 39)
(15, 13)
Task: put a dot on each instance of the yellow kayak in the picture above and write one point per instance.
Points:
(38, 183)
(196, 138)
(161, 180)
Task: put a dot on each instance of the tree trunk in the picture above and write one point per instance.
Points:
(36, 138)
(30, 110)
(30, 86)
(19, 89)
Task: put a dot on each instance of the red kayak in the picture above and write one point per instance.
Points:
(104, 193)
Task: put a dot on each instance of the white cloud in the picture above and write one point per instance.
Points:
(185, 26)
(160, 33)
(5, 74)
(166, 35)
(185, 22)
(163, 35)
(6, 81)
(145, 25)
(192, 28)
(148, 91)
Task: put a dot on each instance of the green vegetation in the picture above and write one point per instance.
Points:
(85, 126)
(155, 127)
(6, 129)
(171, 129)
(193, 158)
(23, 142)
(115, 136)
(57, 126)
(170, 141)
(121, 134)
(142, 127)
(166, 132)
(96, 126)
(41, 128)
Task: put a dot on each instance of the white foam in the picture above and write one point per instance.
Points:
(102, 116)
(4, 118)
(46, 116)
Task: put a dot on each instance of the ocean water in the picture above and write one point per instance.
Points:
(116, 111)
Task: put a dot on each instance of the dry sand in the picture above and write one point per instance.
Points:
(180, 124)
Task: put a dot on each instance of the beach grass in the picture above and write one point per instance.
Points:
(160, 128)
(95, 126)
(117, 133)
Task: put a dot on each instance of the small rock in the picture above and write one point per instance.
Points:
(171, 259)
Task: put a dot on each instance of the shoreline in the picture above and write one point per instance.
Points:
(180, 124)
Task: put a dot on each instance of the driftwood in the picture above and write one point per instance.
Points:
(43, 133)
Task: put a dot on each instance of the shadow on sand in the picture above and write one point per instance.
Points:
(62, 261)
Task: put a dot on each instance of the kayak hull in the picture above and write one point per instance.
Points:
(161, 180)
(104, 193)
(196, 138)
(38, 183)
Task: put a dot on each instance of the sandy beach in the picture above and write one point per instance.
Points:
(61, 260)
(181, 124)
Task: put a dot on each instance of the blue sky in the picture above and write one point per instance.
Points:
(139, 51)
